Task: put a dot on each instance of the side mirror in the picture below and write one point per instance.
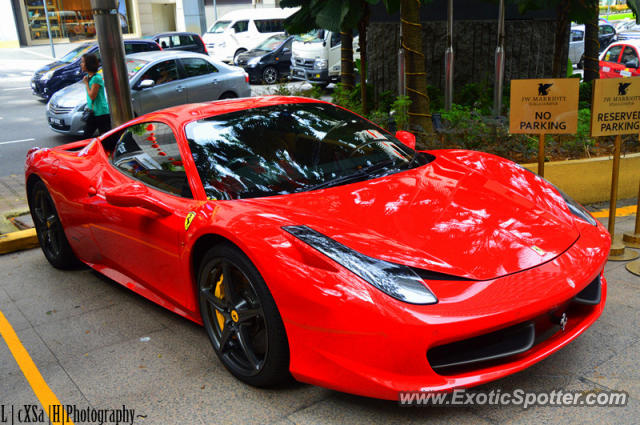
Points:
(135, 195)
(409, 139)
(145, 84)
(633, 63)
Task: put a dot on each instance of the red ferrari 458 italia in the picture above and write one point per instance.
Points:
(311, 243)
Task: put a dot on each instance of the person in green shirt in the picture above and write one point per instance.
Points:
(96, 99)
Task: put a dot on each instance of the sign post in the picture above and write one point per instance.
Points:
(544, 106)
(616, 111)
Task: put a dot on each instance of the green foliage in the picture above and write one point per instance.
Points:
(401, 115)
(584, 95)
(634, 5)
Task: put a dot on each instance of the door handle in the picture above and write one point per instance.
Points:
(179, 89)
(214, 82)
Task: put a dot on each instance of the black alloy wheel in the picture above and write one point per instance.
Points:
(241, 318)
(53, 241)
(270, 75)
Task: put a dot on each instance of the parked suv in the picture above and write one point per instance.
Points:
(66, 71)
(180, 41)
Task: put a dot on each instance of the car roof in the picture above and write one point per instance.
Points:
(263, 12)
(197, 111)
(166, 54)
(631, 42)
(170, 33)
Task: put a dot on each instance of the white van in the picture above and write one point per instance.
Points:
(242, 30)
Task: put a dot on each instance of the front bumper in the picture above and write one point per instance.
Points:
(346, 335)
(40, 89)
(66, 123)
(310, 75)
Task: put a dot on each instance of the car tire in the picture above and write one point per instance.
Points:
(241, 318)
(270, 75)
(228, 95)
(235, 55)
(49, 230)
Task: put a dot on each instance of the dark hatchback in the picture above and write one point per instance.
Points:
(66, 71)
(188, 41)
(268, 62)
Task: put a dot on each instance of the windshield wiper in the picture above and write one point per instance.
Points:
(361, 174)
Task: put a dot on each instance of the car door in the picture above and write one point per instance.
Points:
(144, 240)
(202, 80)
(168, 88)
(606, 35)
(283, 57)
(335, 44)
(240, 34)
(629, 60)
(576, 45)
(609, 65)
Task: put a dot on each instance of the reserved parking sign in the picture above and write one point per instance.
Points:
(616, 107)
(544, 106)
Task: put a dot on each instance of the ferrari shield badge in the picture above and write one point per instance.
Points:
(188, 219)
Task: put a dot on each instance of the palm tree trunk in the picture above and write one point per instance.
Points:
(362, 29)
(415, 73)
(561, 48)
(346, 59)
(591, 44)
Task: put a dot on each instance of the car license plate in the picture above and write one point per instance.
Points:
(625, 73)
(606, 69)
(56, 121)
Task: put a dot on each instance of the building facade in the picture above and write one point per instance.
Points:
(24, 22)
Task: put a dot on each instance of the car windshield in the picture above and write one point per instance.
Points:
(76, 53)
(314, 36)
(283, 149)
(135, 65)
(272, 43)
(219, 27)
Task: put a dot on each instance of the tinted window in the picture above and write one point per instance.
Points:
(269, 25)
(139, 47)
(335, 39)
(149, 152)
(163, 72)
(629, 55)
(196, 66)
(164, 42)
(577, 35)
(241, 26)
(605, 30)
(291, 148)
(613, 54)
(219, 27)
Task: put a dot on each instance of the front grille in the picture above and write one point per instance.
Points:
(57, 109)
(60, 126)
(305, 63)
(505, 344)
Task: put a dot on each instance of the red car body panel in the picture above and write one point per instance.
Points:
(505, 231)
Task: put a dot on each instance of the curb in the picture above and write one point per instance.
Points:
(16, 241)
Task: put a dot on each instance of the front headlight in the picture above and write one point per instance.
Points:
(577, 209)
(80, 107)
(321, 64)
(395, 280)
(46, 76)
(253, 61)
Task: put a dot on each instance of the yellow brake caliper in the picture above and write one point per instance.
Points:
(219, 293)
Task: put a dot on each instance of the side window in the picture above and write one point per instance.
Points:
(241, 26)
(269, 25)
(175, 41)
(164, 42)
(613, 54)
(287, 45)
(629, 55)
(163, 72)
(186, 40)
(335, 39)
(577, 35)
(149, 152)
(196, 66)
(605, 30)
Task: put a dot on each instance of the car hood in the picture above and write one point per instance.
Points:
(51, 66)
(465, 214)
(70, 96)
